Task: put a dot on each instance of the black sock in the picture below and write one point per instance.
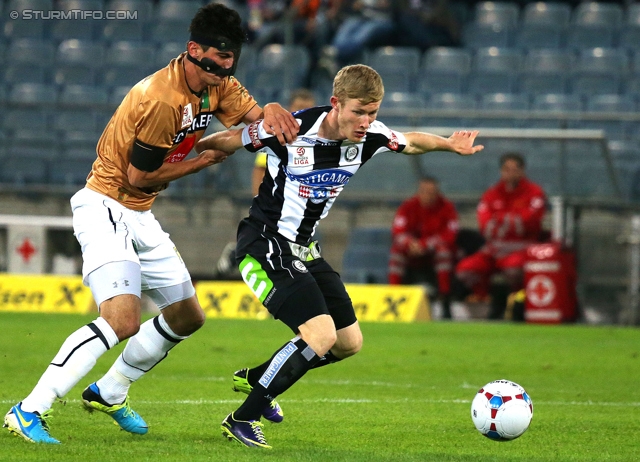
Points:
(287, 366)
(328, 358)
(254, 374)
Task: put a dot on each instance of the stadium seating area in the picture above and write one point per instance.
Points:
(532, 65)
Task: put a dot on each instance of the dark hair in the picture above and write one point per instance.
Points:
(215, 20)
(514, 156)
(429, 179)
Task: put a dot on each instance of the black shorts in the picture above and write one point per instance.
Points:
(293, 290)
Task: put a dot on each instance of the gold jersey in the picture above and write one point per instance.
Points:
(161, 111)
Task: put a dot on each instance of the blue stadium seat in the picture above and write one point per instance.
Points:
(488, 12)
(398, 66)
(630, 34)
(126, 63)
(543, 25)
(20, 5)
(246, 64)
(76, 120)
(132, 31)
(32, 93)
(38, 53)
(26, 73)
(503, 102)
(383, 58)
(79, 144)
(118, 93)
(456, 174)
(616, 128)
(456, 103)
(594, 24)
(18, 118)
(624, 151)
(546, 71)
(176, 10)
(127, 29)
(625, 156)
(168, 30)
(69, 172)
(169, 51)
(557, 103)
(631, 86)
(493, 25)
(554, 103)
(34, 144)
(83, 95)
(366, 257)
(588, 179)
(385, 174)
(25, 28)
(599, 71)
(290, 61)
(396, 109)
(78, 61)
(18, 170)
(77, 28)
(444, 70)
(495, 70)
(142, 8)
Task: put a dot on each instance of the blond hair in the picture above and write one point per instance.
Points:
(358, 82)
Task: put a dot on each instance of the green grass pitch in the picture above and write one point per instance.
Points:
(405, 397)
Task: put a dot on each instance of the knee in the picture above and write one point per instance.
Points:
(349, 349)
(191, 324)
(125, 327)
(319, 333)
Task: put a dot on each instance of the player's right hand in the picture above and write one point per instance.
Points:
(213, 156)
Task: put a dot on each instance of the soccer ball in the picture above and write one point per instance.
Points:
(501, 410)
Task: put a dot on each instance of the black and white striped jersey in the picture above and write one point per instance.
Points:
(303, 179)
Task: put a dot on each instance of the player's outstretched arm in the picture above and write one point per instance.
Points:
(228, 141)
(461, 142)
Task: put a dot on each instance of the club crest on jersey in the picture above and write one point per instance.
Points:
(393, 142)
(187, 116)
(299, 266)
(300, 158)
(256, 142)
(352, 153)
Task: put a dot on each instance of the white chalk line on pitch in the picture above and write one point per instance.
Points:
(374, 383)
(361, 401)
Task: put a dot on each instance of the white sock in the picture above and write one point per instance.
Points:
(76, 357)
(143, 351)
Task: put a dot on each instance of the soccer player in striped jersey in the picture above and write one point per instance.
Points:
(276, 253)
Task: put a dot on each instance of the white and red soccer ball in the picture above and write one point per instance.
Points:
(502, 410)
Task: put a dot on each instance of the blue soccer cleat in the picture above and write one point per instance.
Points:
(32, 426)
(273, 412)
(246, 433)
(128, 419)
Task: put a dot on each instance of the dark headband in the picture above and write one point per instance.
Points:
(221, 43)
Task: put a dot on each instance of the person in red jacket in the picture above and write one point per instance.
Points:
(510, 217)
(424, 234)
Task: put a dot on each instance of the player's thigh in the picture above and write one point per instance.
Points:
(348, 341)
(160, 262)
(335, 294)
(102, 228)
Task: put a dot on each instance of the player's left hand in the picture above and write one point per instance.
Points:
(462, 142)
(279, 122)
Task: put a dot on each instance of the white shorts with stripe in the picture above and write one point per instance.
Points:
(109, 232)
